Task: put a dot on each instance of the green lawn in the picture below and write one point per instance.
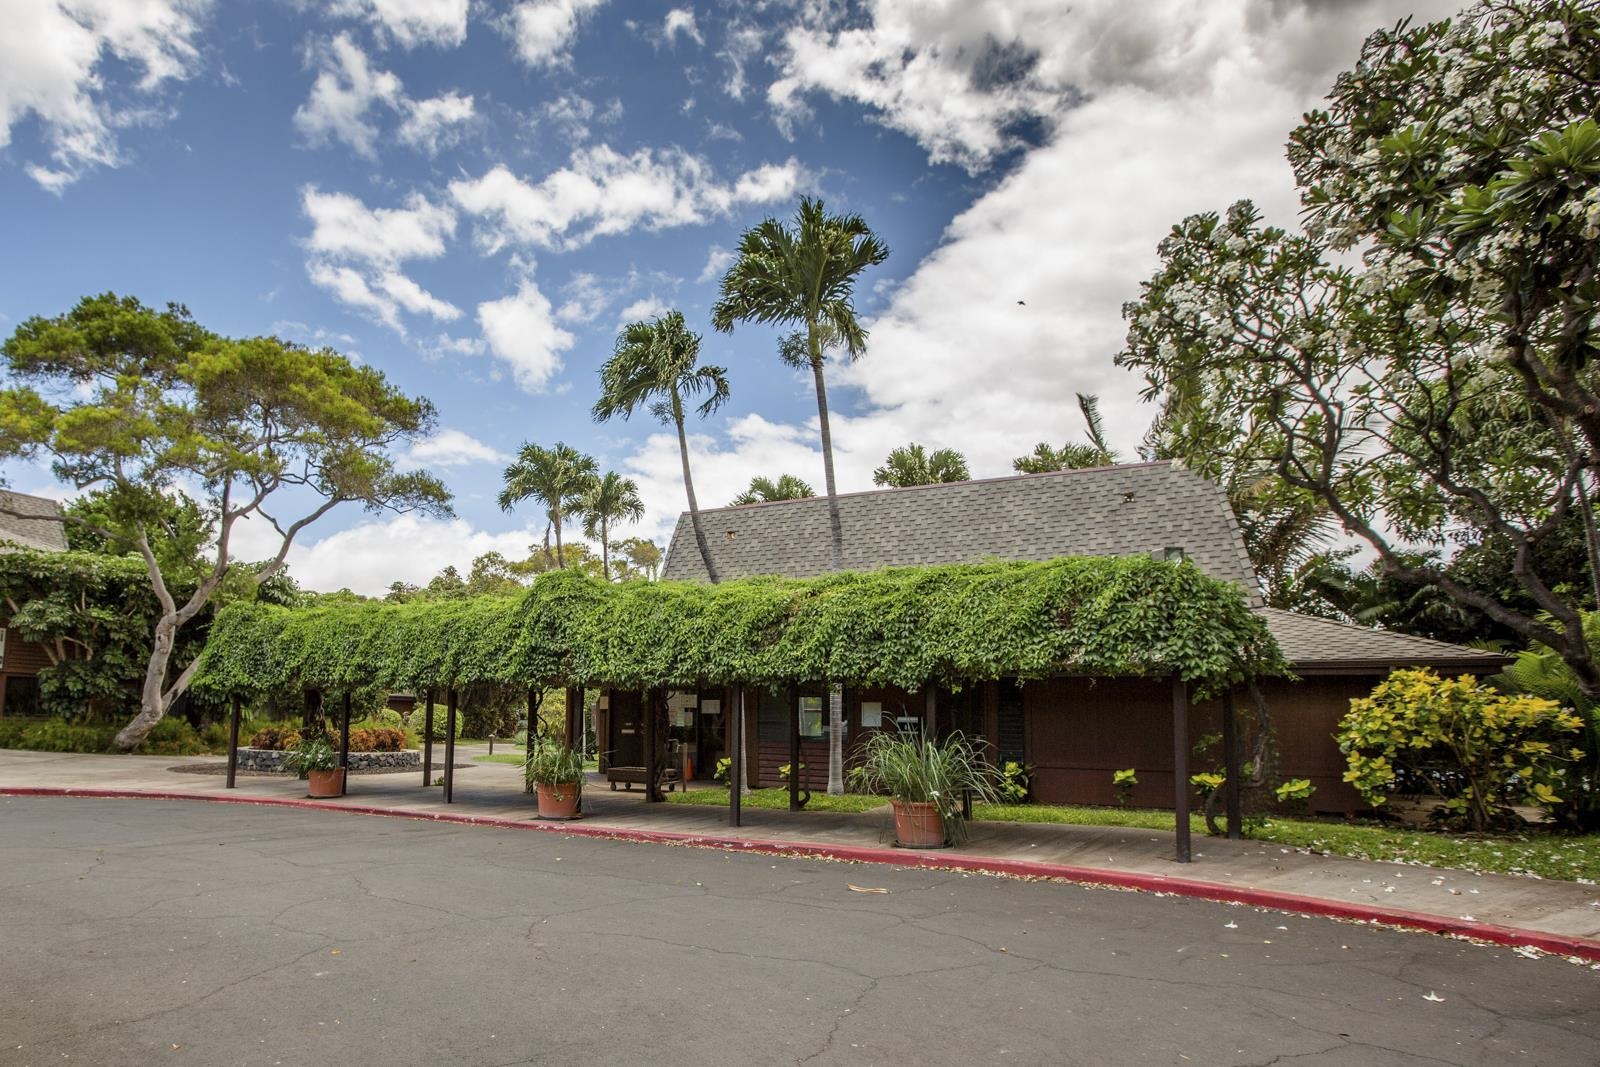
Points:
(779, 799)
(1547, 855)
(502, 757)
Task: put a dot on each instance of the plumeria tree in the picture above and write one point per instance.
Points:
(1419, 360)
(137, 405)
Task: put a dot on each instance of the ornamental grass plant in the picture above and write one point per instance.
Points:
(914, 768)
(552, 763)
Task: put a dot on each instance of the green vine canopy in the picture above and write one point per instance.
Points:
(901, 627)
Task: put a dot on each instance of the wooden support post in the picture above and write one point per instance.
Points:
(794, 748)
(233, 740)
(534, 696)
(450, 747)
(1180, 765)
(344, 744)
(652, 765)
(1233, 766)
(574, 715)
(734, 717)
(930, 711)
(427, 738)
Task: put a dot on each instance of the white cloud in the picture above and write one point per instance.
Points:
(646, 307)
(718, 259)
(1184, 109)
(348, 93)
(435, 123)
(342, 97)
(356, 253)
(413, 22)
(367, 557)
(53, 68)
(522, 333)
(586, 297)
(544, 29)
(680, 22)
(601, 192)
(743, 42)
(452, 448)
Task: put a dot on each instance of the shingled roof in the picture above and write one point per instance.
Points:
(38, 525)
(1129, 509)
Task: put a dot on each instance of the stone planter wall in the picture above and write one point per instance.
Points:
(266, 759)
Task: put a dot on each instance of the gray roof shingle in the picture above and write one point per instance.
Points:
(1314, 644)
(1129, 509)
(1132, 509)
(38, 525)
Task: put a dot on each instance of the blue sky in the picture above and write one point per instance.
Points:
(474, 194)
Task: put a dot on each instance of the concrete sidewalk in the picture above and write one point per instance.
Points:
(1560, 915)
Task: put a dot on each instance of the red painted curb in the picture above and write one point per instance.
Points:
(1560, 944)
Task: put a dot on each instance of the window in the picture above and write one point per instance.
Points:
(811, 726)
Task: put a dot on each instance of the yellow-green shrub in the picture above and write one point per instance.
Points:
(1478, 750)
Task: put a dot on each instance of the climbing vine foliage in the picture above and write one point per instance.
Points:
(902, 627)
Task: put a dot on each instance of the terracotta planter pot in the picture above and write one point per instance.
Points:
(918, 825)
(325, 783)
(557, 801)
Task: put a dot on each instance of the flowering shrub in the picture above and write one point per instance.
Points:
(1476, 749)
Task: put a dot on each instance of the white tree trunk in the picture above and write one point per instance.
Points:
(153, 698)
(835, 740)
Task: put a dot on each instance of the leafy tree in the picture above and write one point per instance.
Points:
(610, 498)
(656, 363)
(446, 585)
(556, 477)
(764, 490)
(805, 277)
(1097, 453)
(91, 613)
(135, 402)
(913, 465)
(1441, 391)
(644, 556)
(494, 575)
(181, 530)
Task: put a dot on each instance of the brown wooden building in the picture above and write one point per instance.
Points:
(25, 522)
(1073, 731)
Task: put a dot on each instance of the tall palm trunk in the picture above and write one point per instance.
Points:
(834, 529)
(556, 520)
(605, 549)
(688, 488)
(835, 695)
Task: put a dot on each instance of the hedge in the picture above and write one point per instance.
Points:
(900, 627)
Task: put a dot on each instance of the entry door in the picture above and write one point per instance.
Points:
(627, 730)
(711, 746)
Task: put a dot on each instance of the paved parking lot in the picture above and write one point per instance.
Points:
(139, 932)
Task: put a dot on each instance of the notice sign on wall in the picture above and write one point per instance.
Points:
(871, 714)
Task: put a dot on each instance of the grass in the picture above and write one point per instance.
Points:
(1568, 857)
(778, 799)
(502, 757)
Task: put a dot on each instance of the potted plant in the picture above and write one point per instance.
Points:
(316, 761)
(555, 774)
(925, 780)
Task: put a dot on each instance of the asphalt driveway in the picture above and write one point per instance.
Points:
(143, 932)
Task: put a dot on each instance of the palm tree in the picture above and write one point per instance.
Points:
(609, 498)
(556, 477)
(654, 363)
(1097, 453)
(764, 490)
(805, 277)
(913, 465)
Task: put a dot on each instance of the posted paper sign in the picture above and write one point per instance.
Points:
(871, 714)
